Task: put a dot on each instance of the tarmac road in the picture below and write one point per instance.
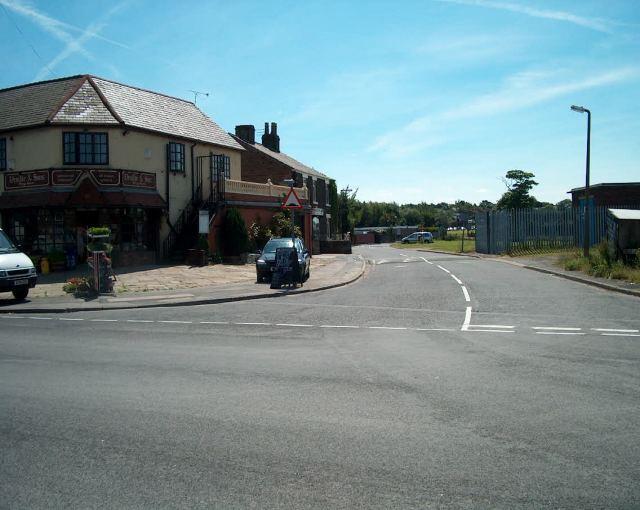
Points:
(434, 381)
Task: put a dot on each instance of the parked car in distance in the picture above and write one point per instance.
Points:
(265, 264)
(17, 272)
(416, 237)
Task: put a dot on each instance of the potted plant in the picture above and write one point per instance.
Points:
(200, 255)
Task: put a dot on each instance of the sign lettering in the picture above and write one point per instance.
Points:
(138, 179)
(65, 177)
(106, 177)
(18, 180)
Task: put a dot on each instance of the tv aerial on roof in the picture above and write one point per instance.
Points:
(197, 93)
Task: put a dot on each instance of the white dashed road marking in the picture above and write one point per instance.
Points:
(426, 261)
(467, 319)
(553, 328)
(607, 330)
(466, 326)
(456, 279)
(558, 333)
(466, 294)
(444, 269)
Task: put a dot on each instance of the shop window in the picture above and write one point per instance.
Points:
(50, 231)
(3, 154)
(221, 165)
(18, 231)
(85, 148)
(175, 157)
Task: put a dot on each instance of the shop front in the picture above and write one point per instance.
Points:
(48, 213)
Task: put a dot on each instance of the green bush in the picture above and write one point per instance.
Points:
(234, 234)
(281, 226)
(259, 235)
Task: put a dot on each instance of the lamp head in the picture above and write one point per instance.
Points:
(579, 109)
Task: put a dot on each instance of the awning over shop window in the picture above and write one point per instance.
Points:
(82, 198)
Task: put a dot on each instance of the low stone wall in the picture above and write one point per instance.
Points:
(335, 247)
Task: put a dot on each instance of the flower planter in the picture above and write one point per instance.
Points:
(197, 258)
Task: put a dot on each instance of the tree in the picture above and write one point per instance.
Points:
(519, 183)
(564, 204)
(235, 239)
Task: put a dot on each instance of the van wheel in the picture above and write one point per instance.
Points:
(20, 294)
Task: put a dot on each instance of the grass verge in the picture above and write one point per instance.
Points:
(599, 264)
(440, 245)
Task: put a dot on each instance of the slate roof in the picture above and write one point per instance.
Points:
(287, 160)
(91, 100)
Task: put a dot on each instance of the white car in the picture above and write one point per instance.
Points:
(425, 237)
(17, 272)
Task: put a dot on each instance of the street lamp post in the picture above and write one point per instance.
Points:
(586, 243)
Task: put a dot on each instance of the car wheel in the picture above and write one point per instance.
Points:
(20, 294)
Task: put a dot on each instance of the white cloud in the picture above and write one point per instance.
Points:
(76, 45)
(598, 24)
(520, 91)
(59, 29)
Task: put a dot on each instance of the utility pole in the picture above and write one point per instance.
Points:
(586, 241)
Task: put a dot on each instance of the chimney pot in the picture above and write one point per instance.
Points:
(246, 132)
(271, 140)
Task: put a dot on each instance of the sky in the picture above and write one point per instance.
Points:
(432, 100)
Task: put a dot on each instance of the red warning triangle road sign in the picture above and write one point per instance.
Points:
(291, 201)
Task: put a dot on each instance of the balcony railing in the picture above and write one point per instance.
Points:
(264, 190)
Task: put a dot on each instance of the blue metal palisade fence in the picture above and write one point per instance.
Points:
(535, 229)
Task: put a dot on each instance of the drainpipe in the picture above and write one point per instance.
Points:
(192, 171)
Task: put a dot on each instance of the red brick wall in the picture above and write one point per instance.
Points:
(258, 167)
(257, 214)
(611, 196)
(368, 238)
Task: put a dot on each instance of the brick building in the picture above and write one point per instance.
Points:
(264, 162)
(608, 194)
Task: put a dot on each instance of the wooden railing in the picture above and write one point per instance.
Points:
(264, 190)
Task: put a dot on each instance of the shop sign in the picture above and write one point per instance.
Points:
(17, 180)
(138, 179)
(106, 177)
(317, 211)
(65, 177)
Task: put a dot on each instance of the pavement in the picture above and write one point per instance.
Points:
(433, 381)
(548, 263)
(157, 286)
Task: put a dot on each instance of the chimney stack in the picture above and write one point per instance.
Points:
(246, 132)
(271, 140)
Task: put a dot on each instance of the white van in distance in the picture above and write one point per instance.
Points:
(17, 272)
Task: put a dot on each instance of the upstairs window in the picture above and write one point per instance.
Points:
(3, 154)
(220, 165)
(175, 157)
(85, 148)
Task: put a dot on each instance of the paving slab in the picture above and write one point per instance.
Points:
(192, 286)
